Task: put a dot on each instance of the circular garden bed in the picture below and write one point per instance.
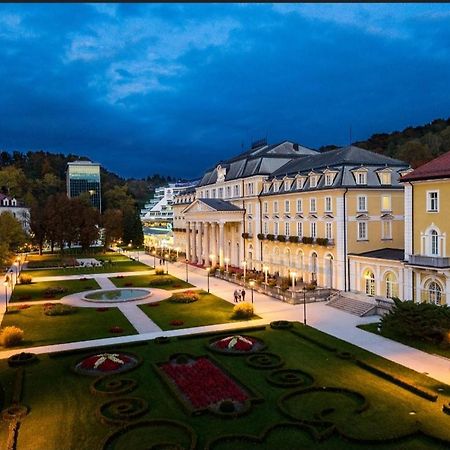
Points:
(108, 385)
(122, 410)
(22, 359)
(264, 360)
(289, 378)
(107, 363)
(236, 345)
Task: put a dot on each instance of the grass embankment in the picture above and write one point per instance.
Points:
(427, 347)
(37, 291)
(84, 324)
(208, 310)
(63, 406)
(168, 282)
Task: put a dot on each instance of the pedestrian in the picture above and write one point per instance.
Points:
(243, 294)
(235, 296)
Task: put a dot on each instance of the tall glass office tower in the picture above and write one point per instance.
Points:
(84, 176)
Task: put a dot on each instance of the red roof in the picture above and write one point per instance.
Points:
(436, 168)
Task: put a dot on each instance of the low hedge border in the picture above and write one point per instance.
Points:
(108, 442)
(264, 360)
(421, 392)
(314, 341)
(287, 378)
(344, 355)
(117, 386)
(254, 397)
(162, 340)
(281, 325)
(22, 359)
(222, 333)
(122, 410)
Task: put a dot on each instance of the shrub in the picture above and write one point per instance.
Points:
(293, 239)
(116, 329)
(52, 291)
(160, 271)
(322, 241)
(310, 287)
(160, 280)
(307, 240)
(176, 323)
(11, 336)
(184, 297)
(24, 306)
(245, 235)
(25, 279)
(242, 311)
(270, 237)
(58, 309)
(284, 283)
(261, 236)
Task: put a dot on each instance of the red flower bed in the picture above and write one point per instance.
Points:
(176, 323)
(240, 343)
(23, 306)
(152, 305)
(116, 330)
(202, 383)
(105, 362)
(103, 309)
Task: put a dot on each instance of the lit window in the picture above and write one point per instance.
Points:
(362, 231)
(299, 206)
(313, 181)
(385, 178)
(386, 229)
(300, 183)
(329, 230)
(328, 206)
(386, 203)
(287, 228)
(287, 206)
(362, 203)
(433, 201)
(328, 179)
(361, 178)
(312, 205)
(299, 229)
(313, 230)
(434, 243)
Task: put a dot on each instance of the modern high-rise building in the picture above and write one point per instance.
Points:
(84, 176)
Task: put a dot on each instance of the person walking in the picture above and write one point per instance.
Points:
(236, 296)
(243, 295)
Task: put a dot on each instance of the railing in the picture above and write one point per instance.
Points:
(429, 261)
(288, 296)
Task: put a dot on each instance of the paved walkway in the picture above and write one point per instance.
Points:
(329, 320)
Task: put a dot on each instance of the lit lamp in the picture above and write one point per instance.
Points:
(187, 275)
(227, 260)
(244, 264)
(154, 258)
(212, 257)
(266, 270)
(5, 283)
(208, 269)
(293, 275)
(252, 285)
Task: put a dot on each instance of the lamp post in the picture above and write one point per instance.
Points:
(212, 257)
(227, 260)
(304, 305)
(187, 275)
(252, 285)
(5, 283)
(208, 269)
(15, 269)
(293, 275)
(166, 256)
(154, 259)
(244, 264)
(266, 270)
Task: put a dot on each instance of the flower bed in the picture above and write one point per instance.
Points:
(116, 330)
(58, 309)
(21, 359)
(176, 323)
(107, 363)
(184, 297)
(201, 385)
(107, 385)
(237, 344)
(122, 410)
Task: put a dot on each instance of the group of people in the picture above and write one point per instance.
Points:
(239, 295)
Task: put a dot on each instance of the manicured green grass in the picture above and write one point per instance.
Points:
(86, 323)
(208, 310)
(168, 282)
(428, 347)
(62, 405)
(35, 291)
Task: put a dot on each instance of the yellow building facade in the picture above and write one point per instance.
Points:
(292, 211)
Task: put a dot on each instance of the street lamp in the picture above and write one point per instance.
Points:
(227, 260)
(208, 269)
(167, 262)
(293, 275)
(266, 270)
(304, 305)
(211, 258)
(5, 283)
(154, 259)
(187, 276)
(252, 285)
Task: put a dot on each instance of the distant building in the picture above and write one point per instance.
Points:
(84, 176)
(20, 212)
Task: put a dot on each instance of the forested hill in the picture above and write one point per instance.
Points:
(19, 171)
(416, 145)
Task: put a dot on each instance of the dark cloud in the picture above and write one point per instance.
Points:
(145, 88)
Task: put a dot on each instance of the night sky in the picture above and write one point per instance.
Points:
(175, 88)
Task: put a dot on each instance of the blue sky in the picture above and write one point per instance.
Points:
(146, 88)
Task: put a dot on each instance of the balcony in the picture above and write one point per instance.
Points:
(429, 261)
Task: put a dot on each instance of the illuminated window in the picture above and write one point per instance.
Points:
(386, 203)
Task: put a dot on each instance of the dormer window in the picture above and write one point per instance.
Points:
(329, 179)
(385, 178)
(276, 186)
(313, 181)
(266, 187)
(361, 177)
(287, 185)
(300, 182)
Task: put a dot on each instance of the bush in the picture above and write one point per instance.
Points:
(52, 291)
(58, 309)
(284, 283)
(184, 297)
(242, 311)
(322, 241)
(310, 287)
(270, 237)
(261, 236)
(281, 238)
(25, 279)
(307, 240)
(11, 336)
(160, 271)
(293, 239)
(116, 330)
(176, 323)
(160, 280)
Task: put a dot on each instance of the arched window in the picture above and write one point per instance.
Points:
(300, 259)
(391, 285)
(314, 267)
(434, 293)
(434, 243)
(369, 278)
(288, 257)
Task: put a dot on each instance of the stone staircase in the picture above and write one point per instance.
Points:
(352, 305)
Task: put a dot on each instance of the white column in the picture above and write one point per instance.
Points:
(188, 240)
(200, 241)
(408, 290)
(418, 293)
(206, 242)
(221, 243)
(408, 196)
(401, 286)
(378, 281)
(194, 243)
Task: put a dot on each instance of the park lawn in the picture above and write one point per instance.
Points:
(168, 282)
(427, 347)
(86, 323)
(35, 291)
(208, 310)
(63, 406)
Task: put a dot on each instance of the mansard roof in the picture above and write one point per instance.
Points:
(436, 168)
(219, 205)
(259, 160)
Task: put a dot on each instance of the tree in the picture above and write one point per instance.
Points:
(132, 228)
(112, 222)
(12, 235)
(13, 181)
(89, 230)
